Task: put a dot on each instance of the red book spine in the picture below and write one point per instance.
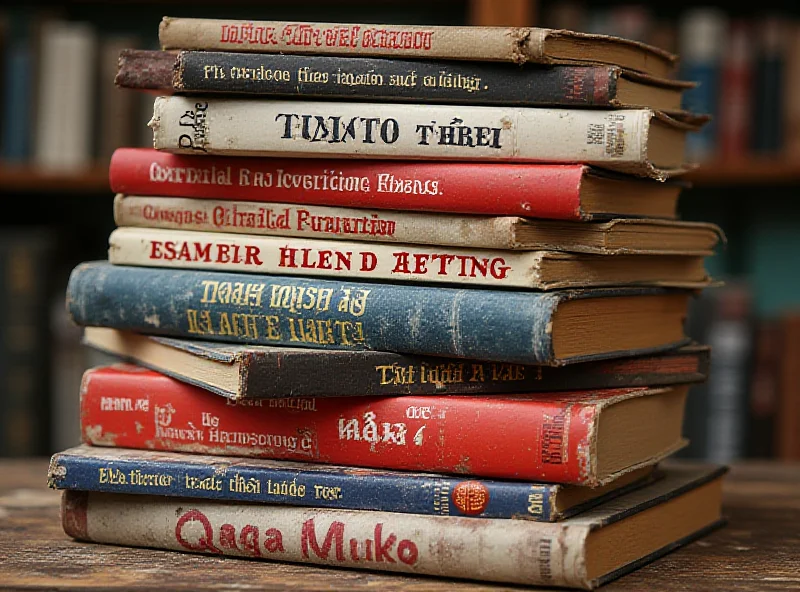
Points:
(540, 191)
(543, 437)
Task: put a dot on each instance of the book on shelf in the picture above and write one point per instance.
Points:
(509, 44)
(791, 100)
(540, 270)
(768, 89)
(267, 372)
(641, 142)
(787, 424)
(493, 325)
(585, 438)
(312, 485)
(736, 101)
(620, 236)
(377, 79)
(561, 192)
(584, 551)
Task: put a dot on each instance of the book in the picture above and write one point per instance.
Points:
(615, 237)
(377, 79)
(141, 472)
(762, 415)
(265, 372)
(587, 438)
(581, 552)
(787, 424)
(509, 44)
(791, 98)
(769, 80)
(17, 73)
(562, 192)
(736, 100)
(540, 270)
(635, 141)
(493, 325)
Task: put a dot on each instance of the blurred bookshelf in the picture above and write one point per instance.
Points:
(747, 58)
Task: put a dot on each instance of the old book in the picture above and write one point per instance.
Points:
(620, 236)
(267, 372)
(494, 325)
(376, 79)
(141, 472)
(585, 438)
(510, 44)
(635, 141)
(562, 192)
(540, 270)
(581, 552)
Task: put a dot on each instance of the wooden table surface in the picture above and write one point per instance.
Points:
(758, 550)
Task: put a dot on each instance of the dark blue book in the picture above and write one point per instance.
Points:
(119, 470)
(17, 91)
(516, 326)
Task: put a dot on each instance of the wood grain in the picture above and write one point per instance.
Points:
(759, 550)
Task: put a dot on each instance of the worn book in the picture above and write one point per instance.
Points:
(119, 470)
(586, 438)
(376, 79)
(539, 270)
(642, 142)
(561, 192)
(494, 325)
(508, 44)
(584, 551)
(614, 237)
(268, 372)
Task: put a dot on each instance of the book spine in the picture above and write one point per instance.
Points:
(546, 439)
(18, 90)
(316, 222)
(538, 191)
(494, 550)
(179, 249)
(395, 41)
(269, 310)
(325, 488)
(611, 139)
(390, 80)
(768, 130)
(735, 111)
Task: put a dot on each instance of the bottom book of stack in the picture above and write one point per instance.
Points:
(442, 525)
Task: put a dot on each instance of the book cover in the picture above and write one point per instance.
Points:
(615, 237)
(141, 472)
(441, 321)
(768, 110)
(561, 192)
(539, 270)
(585, 438)
(680, 508)
(267, 372)
(510, 44)
(635, 141)
(376, 79)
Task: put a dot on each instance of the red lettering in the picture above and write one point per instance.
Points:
(480, 264)
(185, 255)
(227, 537)
(203, 252)
(248, 538)
(354, 549)
(382, 549)
(223, 254)
(251, 255)
(273, 540)
(155, 250)
(335, 533)
(420, 263)
(368, 261)
(407, 552)
(169, 247)
(324, 259)
(444, 262)
(343, 260)
(287, 257)
(497, 269)
(400, 262)
(205, 542)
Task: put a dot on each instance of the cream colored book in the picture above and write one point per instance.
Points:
(541, 270)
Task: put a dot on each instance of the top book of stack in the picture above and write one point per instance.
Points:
(495, 44)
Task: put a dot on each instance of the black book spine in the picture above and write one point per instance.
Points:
(394, 80)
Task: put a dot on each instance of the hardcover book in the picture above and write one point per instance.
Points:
(585, 438)
(267, 372)
(376, 79)
(615, 237)
(635, 141)
(494, 325)
(510, 44)
(117, 470)
(581, 552)
(539, 270)
(562, 192)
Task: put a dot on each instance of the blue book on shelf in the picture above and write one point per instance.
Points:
(18, 95)
(118, 470)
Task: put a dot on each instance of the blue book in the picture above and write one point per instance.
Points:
(516, 326)
(18, 95)
(119, 470)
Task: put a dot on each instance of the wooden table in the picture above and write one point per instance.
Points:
(758, 550)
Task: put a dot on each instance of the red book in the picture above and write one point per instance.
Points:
(561, 192)
(584, 438)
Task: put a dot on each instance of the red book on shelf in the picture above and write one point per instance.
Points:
(561, 192)
(584, 438)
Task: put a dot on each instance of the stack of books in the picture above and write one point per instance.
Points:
(448, 340)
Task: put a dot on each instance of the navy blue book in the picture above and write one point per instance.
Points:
(119, 470)
(516, 326)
